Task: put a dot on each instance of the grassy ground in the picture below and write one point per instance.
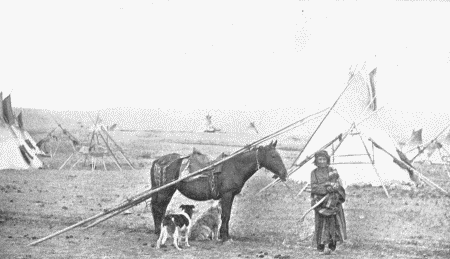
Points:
(413, 223)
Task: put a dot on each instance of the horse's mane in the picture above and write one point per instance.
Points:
(197, 152)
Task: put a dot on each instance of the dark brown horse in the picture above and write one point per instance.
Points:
(221, 183)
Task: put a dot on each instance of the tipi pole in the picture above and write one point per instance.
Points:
(281, 131)
(428, 181)
(94, 129)
(326, 115)
(56, 149)
(110, 151)
(118, 147)
(104, 164)
(374, 167)
(100, 220)
(78, 160)
(341, 137)
(66, 229)
(67, 160)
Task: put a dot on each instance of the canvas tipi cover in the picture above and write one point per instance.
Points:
(355, 117)
(14, 152)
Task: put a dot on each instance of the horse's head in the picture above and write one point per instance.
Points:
(270, 159)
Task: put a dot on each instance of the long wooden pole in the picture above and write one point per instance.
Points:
(146, 194)
(323, 119)
(110, 151)
(100, 220)
(66, 229)
(67, 160)
(374, 167)
(281, 131)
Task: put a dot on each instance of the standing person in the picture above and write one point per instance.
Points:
(329, 218)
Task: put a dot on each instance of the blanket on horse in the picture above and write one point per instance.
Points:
(197, 161)
(163, 166)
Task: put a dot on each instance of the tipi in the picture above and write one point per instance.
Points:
(25, 135)
(354, 124)
(209, 127)
(14, 152)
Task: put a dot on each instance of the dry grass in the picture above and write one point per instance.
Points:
(414, 223)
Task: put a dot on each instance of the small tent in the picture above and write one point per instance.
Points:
(252, 127)
(209, 127)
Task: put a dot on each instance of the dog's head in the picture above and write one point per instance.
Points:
(189, 209)
(216, 207)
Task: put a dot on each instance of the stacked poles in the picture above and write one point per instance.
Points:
(148, 193)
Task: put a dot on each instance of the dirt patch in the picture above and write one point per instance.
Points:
(413, 223)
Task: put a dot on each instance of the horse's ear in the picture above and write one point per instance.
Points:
(271, 143)
(275, 143)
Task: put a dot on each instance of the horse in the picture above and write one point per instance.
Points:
(222, 183)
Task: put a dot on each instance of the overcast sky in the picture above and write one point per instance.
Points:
(83, 55)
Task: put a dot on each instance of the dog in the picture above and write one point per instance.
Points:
(174, 224)
(207, 226)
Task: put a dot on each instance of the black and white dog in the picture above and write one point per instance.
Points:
(175, 225)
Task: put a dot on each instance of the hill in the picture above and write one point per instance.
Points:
(399, 124)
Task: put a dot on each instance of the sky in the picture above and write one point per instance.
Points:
(243, 55)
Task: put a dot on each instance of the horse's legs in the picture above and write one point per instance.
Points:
(160, 201)
(227, 202)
